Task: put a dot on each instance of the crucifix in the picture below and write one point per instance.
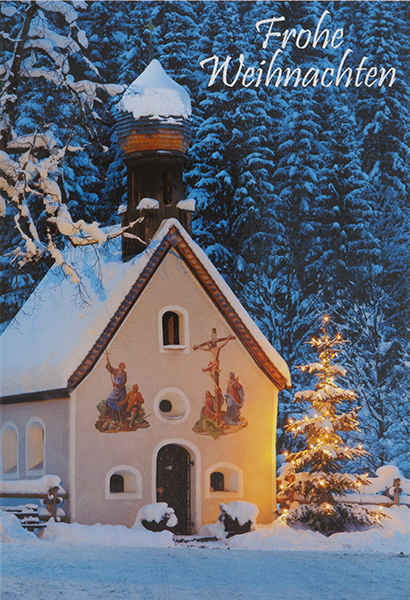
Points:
(214, 347)
(151, 28)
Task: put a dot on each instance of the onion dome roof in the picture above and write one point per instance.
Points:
(156, 96)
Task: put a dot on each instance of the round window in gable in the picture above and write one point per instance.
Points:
(171, 405)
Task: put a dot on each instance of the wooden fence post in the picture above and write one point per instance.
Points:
(52, 502)
(397, 490)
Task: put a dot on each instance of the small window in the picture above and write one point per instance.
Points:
(9, 445)
(167, 188)
(35, 446)
(173, 330)
(123, 482)
(116, 484)
(224, 479)
(171, 405)
(217, 482)
(170, 329)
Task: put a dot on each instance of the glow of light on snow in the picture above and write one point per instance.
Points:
(241, 510)
(154, 94)
(393, 537)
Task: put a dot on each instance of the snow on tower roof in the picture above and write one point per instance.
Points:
(56, 339)
(154, 94)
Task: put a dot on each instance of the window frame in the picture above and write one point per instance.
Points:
(183, 327)
(41, 470)
(180, 406)
(233, 478)
(9, 425)
(124, 471)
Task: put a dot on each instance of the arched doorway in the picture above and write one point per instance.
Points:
(174, 483)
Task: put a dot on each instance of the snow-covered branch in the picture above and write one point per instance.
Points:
(32, 163)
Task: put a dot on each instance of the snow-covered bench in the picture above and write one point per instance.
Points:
(27, 515)
(47, 489)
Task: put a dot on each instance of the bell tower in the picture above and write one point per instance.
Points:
(154, 132)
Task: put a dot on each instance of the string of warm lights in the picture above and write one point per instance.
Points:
(315, 475)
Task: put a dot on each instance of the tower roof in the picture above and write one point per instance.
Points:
(155, 95)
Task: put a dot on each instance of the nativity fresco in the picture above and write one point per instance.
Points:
(221, 413)
(122, 410)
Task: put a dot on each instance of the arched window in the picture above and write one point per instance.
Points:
(116, 483)
(173, 329)
(225, 479)
(167, 188)
(123, 481)
(35, 446)
(217, 482)
(170, 329)
(9, 450)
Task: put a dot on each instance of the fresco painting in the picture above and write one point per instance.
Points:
(220, 414)
(122, 410)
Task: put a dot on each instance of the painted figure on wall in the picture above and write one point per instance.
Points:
(118, 392)
(209, 422)
(121, 410)
(214, 346)
(235, 399)
(213, 420)
(134, 412)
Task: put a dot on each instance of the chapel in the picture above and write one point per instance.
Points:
(156, 385)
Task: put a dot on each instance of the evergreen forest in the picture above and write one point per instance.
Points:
(301, 192)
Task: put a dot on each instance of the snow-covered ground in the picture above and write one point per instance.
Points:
(80, 562)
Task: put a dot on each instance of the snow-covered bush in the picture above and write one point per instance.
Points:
(238, 517)
(332, 518)
(156, 517)
(234, 518)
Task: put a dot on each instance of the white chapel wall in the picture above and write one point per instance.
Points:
(42, 438)
(179, 372)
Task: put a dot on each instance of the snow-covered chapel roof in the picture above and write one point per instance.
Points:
(57, 337)
(154, 94)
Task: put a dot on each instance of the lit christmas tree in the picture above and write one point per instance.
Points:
(316, 475)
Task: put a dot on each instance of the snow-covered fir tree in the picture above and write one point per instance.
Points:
(317, 473)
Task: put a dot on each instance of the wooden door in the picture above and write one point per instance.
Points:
(174, 482)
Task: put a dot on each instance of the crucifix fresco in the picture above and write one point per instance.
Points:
(220, 414)
(122, 410)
